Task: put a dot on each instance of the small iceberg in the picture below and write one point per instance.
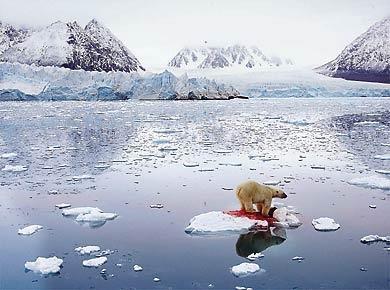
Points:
(218, 222)
(137, 268)
(80, 210)
(382, 157)
(286, 218)
(373, 182)
(63, 205)
(8, 155)
(87, 249)
(96, 217)
(95, 262)
(14, 168)
(374, 238)
(27, 231)
(255, 256)
(44, 265)
(245, 269)
(325, 224)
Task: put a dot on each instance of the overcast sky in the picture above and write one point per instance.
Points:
(310, 32)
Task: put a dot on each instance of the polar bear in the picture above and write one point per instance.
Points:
(251, 192)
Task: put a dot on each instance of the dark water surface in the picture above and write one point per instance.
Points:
(144, 145)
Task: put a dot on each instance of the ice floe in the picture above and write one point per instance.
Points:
(218, 222)
(8, 155)
(190, 164)
(255, 256)
(80, 210)
(298, 258)
(286, 218)
(95, 262)
(44, 266)
(373, 181)
(81, 177)
(374, 238)
(87, 249)
(156, 279)
(382, 171)
(137, 268)
(14, 168)
(63, 205)
(29, 230)
(96, 217)
(325, 224)
(383, 157)
(245, 269)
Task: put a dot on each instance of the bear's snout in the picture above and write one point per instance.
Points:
(284, 195)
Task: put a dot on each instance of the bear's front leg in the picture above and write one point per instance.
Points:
(249, 206)
(259, 206)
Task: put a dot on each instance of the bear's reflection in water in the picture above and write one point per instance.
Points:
(256, 242)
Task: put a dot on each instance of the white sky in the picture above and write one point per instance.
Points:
(311, 32)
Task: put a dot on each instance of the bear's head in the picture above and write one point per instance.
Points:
(278, 193)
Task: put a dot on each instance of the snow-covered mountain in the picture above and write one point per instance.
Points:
(367, 58)
(93, 48)
(10, 36)
(237, 56)
(20, 82)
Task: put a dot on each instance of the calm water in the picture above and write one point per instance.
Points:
(135, 152)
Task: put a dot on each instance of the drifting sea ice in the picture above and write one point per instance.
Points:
(29, 230)
(374, 238)
(80, 210)
(137, 268)
(14, 168)
(373, 181)
(87, 249)
(63, 205)
(382, 157)
(325, 224)
(44, 265)
(286, 218)
(8, 155)
(218, 222)
(382, 171)
(95, 262)
(255, 256)
(96, 217)
(245, 269)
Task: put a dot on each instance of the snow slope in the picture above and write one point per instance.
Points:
(10, 36)
(237, 56)
(367, 58)
(93, 48)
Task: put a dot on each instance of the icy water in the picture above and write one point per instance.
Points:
(134, 153)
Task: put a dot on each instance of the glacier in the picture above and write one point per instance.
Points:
(22, 82)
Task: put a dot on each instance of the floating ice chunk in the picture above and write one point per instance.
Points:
(373, 181)
(44, 265)
(286, 218)
(81, 177)
(63, 205)
(382, 157)
(325, 224)
(222, 151)
(218, 222)
(297, 122)
(156, 279)
(95, 262)
(14, 168)
(245, 269)
(298, 258)
(230, 163)
(255, 256)
(374, 238)
(80, 210)
(271, 182)
(96, 217)
(8, 155)
(137, 268)
(29, 230)
(190, 164)
(87, 249)
(166, 131)
(317, 167)
(158, 205)
(372, 206)
(382, 171)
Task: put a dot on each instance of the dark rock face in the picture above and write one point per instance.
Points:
(93, 48)
(10, 36)
(367, 58)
